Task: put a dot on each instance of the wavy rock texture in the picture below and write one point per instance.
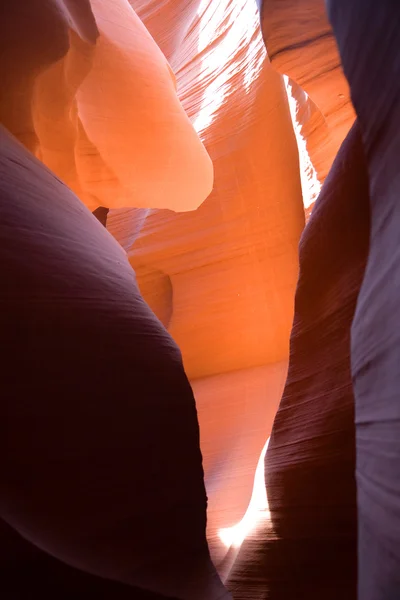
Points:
(78, 105)
(101, 470)
(100, 109)
(368, 38)
(308, 548)
(332, 475)
(301, 45)
(91, 94)
(232, 264)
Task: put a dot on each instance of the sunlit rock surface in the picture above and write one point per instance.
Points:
(210, 150)
(301, 45)
(232, 264)
(100, 108)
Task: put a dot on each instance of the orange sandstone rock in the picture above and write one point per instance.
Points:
(222, 278)
(301, 45)
(105, 117)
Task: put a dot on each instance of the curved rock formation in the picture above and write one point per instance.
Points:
(102, 488)
(232, 263)
(301, 45)
(368, 38)
(103, 387)
(344, 331)
(310, 463)
(100, 108)
(239, 249)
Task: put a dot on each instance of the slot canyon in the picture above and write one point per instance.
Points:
(200, 376)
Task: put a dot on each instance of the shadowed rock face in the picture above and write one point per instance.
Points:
(330, 471)
(102, 485)
(368, 38)
(239, 249)
(309, 548)
(100, 461)
(27, 572)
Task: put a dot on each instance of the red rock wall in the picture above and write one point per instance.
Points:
(222, 278)
(121, 127)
